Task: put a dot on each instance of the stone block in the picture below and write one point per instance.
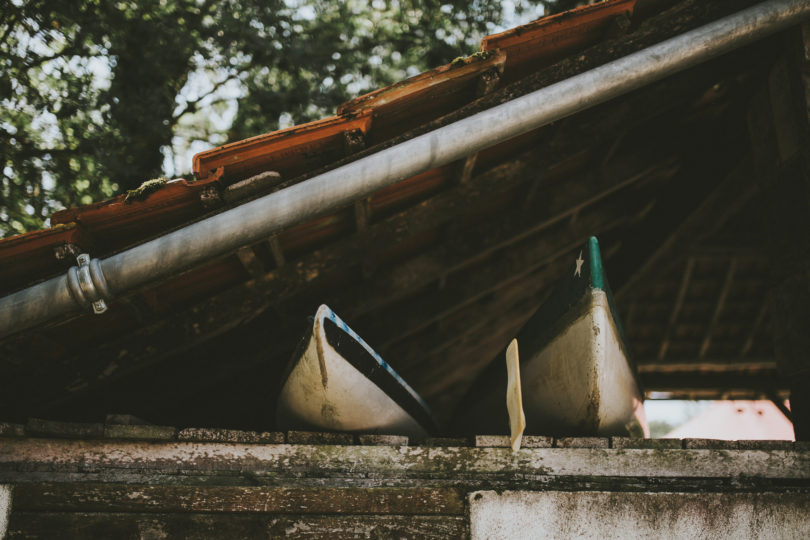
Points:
(710, 444)
(148, 433)
(230, 436)
(383, 440)
(621, 443)
(582, 442)
(69, 430)
(316, 437)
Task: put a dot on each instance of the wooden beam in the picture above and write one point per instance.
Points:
(477, 281)
(752, 334)
(487, 83)
(761, 382)
(676, 308)
(697, 366)
(780, 138)
(250, 262)
(725, 201)
(507, 302)
(718, 309)
(483, 239)
(277, 251)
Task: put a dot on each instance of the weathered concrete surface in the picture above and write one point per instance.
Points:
(21, 457)
(240, 499)
(125, 526)
(597, 515)
(5, 509)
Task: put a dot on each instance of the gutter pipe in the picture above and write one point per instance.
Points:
(95, 280)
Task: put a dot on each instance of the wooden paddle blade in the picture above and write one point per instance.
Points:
(514, 398)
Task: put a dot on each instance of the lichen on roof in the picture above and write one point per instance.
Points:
(145, 189)
(480, 56)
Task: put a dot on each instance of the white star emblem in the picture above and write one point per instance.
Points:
(580, 260)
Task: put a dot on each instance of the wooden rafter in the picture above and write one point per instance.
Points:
(718, 309)
(749, 341)
(676, 308)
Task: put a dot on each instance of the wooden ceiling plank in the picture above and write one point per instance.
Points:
(725, 201)
(752, 334)
(477, 281)
(676, 308)
(483, 239)
(718, 308)
(711, 364)
(762, 382)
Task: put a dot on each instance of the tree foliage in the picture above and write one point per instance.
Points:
(99, 95)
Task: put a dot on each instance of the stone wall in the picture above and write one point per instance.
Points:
(135, 481)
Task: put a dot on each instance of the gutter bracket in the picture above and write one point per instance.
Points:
(87, 284)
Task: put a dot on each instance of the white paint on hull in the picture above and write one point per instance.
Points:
(597, 515)
(5, 509)
(325, 392)
(581, 381)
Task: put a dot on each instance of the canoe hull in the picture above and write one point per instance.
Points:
(337, 383)
(577, 378)
(581, 381)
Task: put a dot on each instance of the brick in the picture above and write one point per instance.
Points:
(709, 444)
(69, 430)
(150, 433)
(621, 443)
(582, 442)
(492, 441)
(383, 440)
(765, 445)
(537, 441)
(446, 441)
(230, 436)
(315, 437)
(502, 441)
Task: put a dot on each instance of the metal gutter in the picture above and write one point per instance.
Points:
(95, 280)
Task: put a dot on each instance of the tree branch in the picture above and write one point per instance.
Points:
(191, 106)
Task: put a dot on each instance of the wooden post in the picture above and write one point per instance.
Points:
(779, 133)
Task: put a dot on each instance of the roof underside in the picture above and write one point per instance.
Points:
(439, 271)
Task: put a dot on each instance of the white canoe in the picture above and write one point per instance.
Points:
(576, 374)
(336, 382)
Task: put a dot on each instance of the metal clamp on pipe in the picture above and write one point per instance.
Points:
(87, 284)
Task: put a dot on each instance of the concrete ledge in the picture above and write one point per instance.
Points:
(582, 442)
(502, 441)
(316, 437)
(52, 456)
(765, 445)
(383, 440)
(621, 443)
(446, 441)
(229, 436)
(710, 444)
(140, 432)
(68, 430)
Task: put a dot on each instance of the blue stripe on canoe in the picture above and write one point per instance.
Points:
(345, 327)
